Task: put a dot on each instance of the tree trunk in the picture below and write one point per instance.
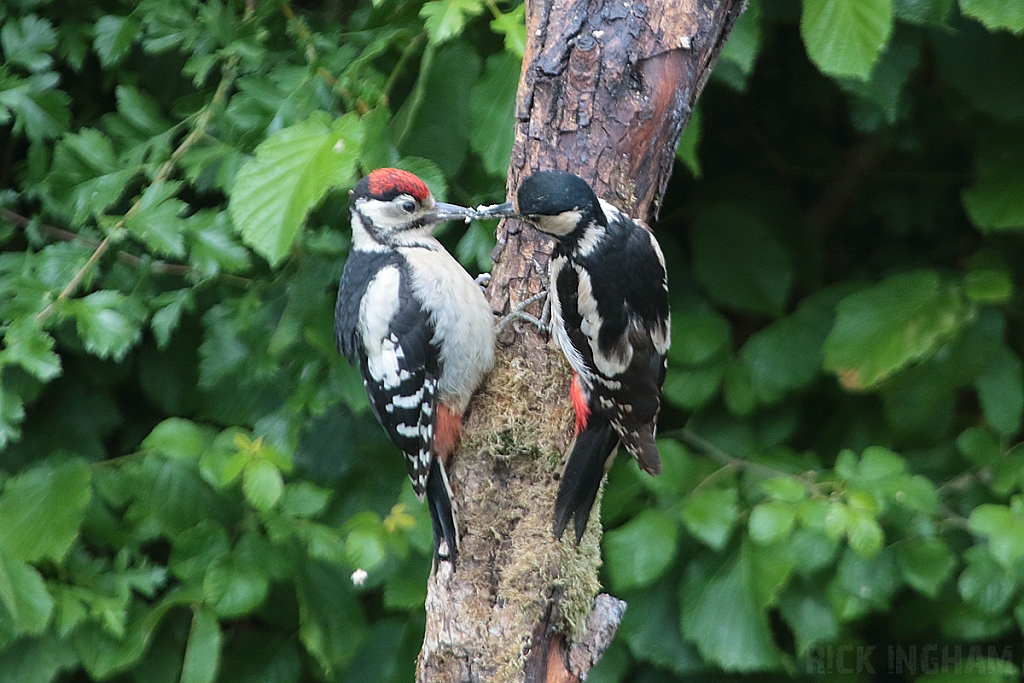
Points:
(605, 91)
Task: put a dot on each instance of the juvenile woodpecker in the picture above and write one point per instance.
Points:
(608, 295)
(418, 326)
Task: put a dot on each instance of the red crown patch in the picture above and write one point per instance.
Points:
(395, 181)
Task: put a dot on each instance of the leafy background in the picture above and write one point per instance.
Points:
(191, 482)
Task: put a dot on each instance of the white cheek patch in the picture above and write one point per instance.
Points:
(561, 224)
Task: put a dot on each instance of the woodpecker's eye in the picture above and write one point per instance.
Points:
(408, 206)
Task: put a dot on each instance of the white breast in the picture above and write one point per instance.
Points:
(462, 318)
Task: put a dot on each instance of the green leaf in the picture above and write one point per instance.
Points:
(651, 629)
(736, 62)
(1004, 529)
(12, 413)
(25, 604)
(36, 660)
(638, 552)
(740, 262)
(994, 202)
(512, 25)
(687, 151)
(726, 619)
(692, 387)
(178, 438)
(1000, 387)
(331, 621)
(880, 330)
(709, 514)
(233, 588)
(109, 323)
(28, 42)
(30, 347)
(845, 38)
(808, 613)
(445, 19)
(41, 510)
(435, 122)
(262, 484)
(964, 56)
(492, 106)
(988, 285)
(983, 583)
(926, 563)
(292, 171)
(770, 522)
(196, 549)
(202, 653)
(157, 220)
(697, 337)
(883, 91)
(863, 583)
(996, 14)
(113, 39)
(922, 12)
(41, 111)
(979, 445)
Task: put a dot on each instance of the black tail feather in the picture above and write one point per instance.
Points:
(581, 479)
(442, 514)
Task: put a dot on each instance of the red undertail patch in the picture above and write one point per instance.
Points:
(447, 432)
(579, 403)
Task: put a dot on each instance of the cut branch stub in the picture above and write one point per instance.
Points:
(605, 91)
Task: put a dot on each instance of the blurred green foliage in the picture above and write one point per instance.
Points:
(193, 489)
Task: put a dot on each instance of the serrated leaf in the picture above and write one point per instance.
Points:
(512, 25)
(709, 514)
(880, 330)
(845, 38)
(996, 14)
(212, 246)
(638, 552)
(740, 262)
(995, 202)
(30, 347)
(109, 323)
(28, 42)
(41, 510)
(25, 604)
(445, 19)
(725, 618)
(113, 38)
(292, 171)
(492, 105)
(42, 111)
(202, 652)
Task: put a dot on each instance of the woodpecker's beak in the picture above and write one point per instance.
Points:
(449, 212)
(505, 210)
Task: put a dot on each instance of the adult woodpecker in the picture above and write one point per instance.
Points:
(419, 328)
(608, 294)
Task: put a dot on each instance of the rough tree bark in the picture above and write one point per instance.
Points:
(605, 90)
